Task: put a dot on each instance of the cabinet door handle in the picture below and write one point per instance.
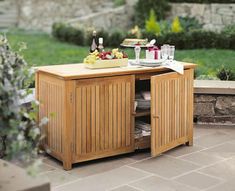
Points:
(156, 116)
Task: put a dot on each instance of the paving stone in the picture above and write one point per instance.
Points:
(212, 139)
(198, 180)
(94, 167)
(225, 169)
(104, 181)
(165, 166)
(183, 150)
(225, 150)
(155, 183)
(201, 158)
(227, 186)
(124, 188)
(58, 177)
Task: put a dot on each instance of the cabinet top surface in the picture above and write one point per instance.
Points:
(79, 71)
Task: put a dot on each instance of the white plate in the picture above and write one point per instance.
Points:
(151, 61)
(133, 46)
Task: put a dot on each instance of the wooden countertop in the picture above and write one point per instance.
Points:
(79, 71)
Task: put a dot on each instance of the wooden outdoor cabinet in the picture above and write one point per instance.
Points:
(91, 112)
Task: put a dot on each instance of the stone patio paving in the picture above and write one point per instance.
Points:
(209, 165)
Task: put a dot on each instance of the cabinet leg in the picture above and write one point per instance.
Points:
(67, 165)
(189, 143)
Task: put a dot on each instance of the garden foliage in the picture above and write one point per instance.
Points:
(176, 26)
(202, 1)
(187, 39)
(225, 74)
(19, 131)
(160, 7)
(151, 24)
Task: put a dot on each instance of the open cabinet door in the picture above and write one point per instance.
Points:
(171, 111)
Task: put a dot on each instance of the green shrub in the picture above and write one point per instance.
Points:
(222, 41)
(149, 35)
(225, 74)
(165, 26)
(68, 33)
(189, 23)
(56, 30)
(203, 1)
(116, 37)
(19, 129)
(229, 30)
(160, 7)
(201, 39)
(151, 24)
(207, 77)
(76, 36)
(119, 2)
(232, 41)
(176, 26)
(182, 40)
(177, 39)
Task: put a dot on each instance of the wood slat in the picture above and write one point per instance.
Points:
(50, 93)
(84, 119)
(172, 98)
(123, 114)
(119, 125)
(106, 120)
(78, 121)
(97, 118)
(110, 110)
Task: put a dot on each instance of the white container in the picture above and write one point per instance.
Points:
(153, 54)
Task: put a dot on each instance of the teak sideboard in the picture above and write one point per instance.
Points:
(91, 112)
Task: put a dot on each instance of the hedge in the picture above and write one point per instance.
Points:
(182, 40)
(202, 1)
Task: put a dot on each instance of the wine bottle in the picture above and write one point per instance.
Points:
(101, 46)
(93, 46)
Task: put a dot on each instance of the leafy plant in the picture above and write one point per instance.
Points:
(206, 77)
(189, 23)
(151, 25)
(229, 30)
(135, 32)
(203, 1)
(119, 2)
(176, 26)
(19, 131)
(116, 37)
(142, 7)
(68, 33)
(225, 74)
(165, 26)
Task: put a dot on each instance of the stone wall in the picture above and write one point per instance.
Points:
(214, 108)
(8, 14)
(34, 14)
(212, 16)
(108, 19)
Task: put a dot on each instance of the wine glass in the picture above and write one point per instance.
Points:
(137, 54)
(171, 53)
(164, 52)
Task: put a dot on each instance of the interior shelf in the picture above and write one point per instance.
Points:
(141, 113)
(143, 142)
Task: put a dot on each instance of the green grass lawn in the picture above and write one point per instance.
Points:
(45, 50)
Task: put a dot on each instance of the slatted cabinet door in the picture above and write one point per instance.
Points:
(171, 111)
(104, 120)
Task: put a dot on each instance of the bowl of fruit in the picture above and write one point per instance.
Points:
(107, 59)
